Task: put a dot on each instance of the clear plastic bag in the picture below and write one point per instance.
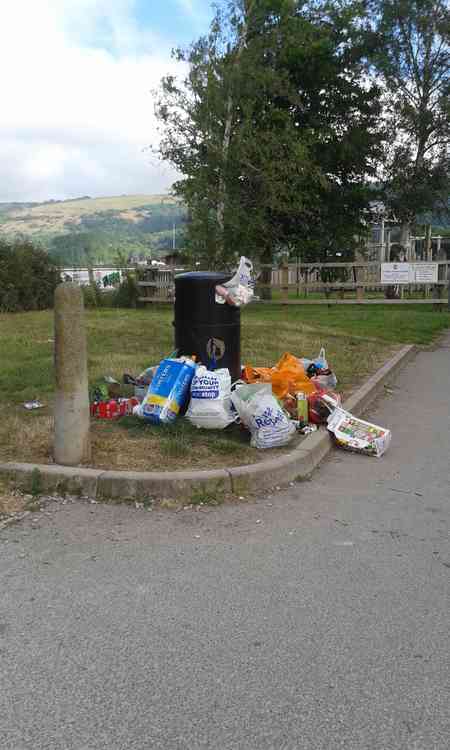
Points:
(326, 381)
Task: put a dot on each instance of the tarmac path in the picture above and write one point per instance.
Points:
(312, 619)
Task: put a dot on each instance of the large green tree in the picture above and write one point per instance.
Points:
(274, 129)
(413, 64)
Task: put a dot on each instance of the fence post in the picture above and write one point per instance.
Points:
(72, 418)
(448, 286)
(285, 282)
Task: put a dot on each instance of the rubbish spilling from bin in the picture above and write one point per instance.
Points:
(238, 291)
(272, 404)
(204, 327)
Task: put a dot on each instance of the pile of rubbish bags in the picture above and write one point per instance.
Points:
(297, 395)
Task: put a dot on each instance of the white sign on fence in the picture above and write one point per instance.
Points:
(424, 273)
(395, 273)
(409, 273)
(104, 277)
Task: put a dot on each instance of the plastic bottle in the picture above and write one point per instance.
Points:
(302, 407)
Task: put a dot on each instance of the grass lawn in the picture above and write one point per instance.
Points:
(357, 341)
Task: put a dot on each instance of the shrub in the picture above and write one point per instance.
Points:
(97, 297)
(28, 277)
(128, 293)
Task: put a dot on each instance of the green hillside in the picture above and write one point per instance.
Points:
(95, 230)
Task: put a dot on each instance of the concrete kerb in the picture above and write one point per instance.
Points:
(199, 486)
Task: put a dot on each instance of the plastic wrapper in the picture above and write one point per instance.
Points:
(317, 364)
(210, 404)
(326, 380)
(321, 404)
(238, 291)
(356, 435)
(169, 390)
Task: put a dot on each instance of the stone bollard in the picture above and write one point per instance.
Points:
(72, 418)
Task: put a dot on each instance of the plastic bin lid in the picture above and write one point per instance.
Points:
(202, 276)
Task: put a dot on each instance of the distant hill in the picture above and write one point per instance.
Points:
(96, 230)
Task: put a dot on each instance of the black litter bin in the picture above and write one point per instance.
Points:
(205, 328)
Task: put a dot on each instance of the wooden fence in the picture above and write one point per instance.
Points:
(321, 283)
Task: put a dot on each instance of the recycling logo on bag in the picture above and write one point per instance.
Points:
(215, 349)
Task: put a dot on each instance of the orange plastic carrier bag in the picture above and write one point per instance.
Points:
(288, 376)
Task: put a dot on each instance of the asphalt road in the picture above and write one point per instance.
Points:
(316, 618)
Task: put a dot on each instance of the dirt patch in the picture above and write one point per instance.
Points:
(12, 504)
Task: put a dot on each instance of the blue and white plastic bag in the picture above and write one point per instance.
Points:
(261, 413)
(210, 404)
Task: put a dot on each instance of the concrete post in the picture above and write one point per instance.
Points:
(72, 442)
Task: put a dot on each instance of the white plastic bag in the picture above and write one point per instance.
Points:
(321, 360)
(210, 404)
(238, 290)
(261, 413)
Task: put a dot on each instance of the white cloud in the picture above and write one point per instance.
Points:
(187, 5)
(194, 10)
(76, 115)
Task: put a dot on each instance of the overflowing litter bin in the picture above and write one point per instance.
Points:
(210, 331)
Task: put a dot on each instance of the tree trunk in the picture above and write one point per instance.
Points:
(405, 237)
(227, 131)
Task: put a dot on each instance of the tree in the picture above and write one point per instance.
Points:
(274, 129)
(28, 277)
(413, 61)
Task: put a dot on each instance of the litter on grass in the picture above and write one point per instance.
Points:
(297, 395)
(30, 405)
(210, 405)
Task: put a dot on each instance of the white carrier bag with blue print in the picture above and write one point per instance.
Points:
(261, 413)
(210, 404)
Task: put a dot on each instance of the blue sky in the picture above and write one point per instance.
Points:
(77, 109)
(181, 20)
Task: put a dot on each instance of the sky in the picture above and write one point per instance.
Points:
(76, 104)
